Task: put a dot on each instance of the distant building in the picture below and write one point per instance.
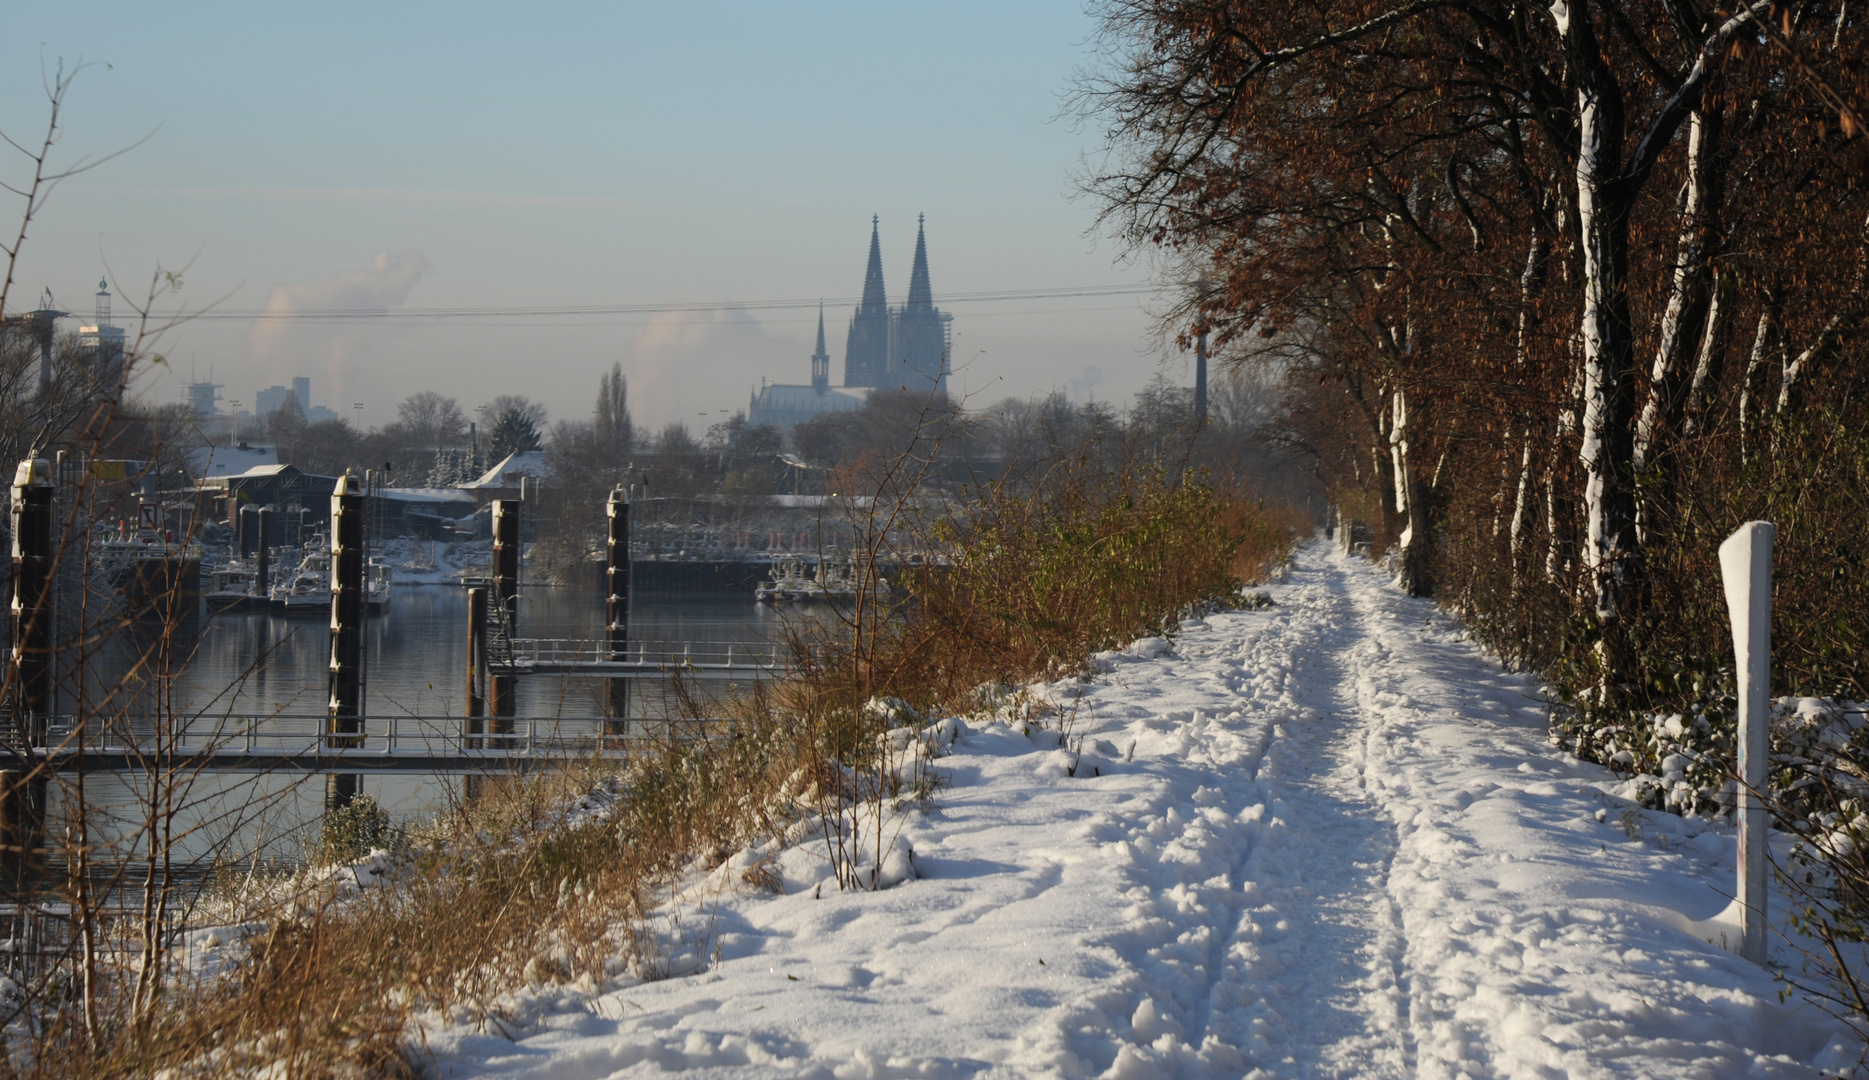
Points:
(282, 487)
(783, 405)
(269, 401)
(101, 346)
(908, 346)
(202, 397)
(504, 480)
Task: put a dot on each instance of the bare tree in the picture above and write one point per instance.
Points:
(429, 419)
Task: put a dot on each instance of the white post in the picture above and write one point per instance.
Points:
(1746, 568)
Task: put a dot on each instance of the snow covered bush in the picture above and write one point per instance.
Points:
(353, 831)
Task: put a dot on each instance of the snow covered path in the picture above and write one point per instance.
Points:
(1324, 839)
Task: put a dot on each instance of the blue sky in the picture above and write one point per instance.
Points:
(461, 155)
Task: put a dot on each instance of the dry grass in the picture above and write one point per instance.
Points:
(510, 890)
(520, 887)
(1043, 574)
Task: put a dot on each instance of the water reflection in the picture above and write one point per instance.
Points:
(257, 664)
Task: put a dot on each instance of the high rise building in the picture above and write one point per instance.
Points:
(907, 346)
(269, 401)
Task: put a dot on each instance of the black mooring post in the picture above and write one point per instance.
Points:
(503, 689)
(347, 597)
(616, 604)
(263, 564)
(476, 663)
(23, 791)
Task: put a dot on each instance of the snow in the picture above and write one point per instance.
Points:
(1322, 838)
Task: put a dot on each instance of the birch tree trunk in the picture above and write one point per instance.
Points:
(1411, 506)
(1612, 553)
(1840, 320)
(1688, 296)
(1755, 366)
(1710, 361)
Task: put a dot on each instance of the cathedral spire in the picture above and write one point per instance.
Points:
(921, 295)
(820, 360)
(874, 299)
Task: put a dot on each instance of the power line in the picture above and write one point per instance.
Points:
(585, 310)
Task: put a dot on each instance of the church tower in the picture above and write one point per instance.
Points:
(820, 360)
(920, 339)
(866, 351)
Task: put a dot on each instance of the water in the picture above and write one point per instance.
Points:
(259, 664)
(416, 651)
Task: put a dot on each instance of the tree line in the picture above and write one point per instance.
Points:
(1568, 290)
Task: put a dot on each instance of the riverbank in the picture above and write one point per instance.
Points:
(1324, 838)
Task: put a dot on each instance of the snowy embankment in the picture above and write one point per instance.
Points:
(1326, 838)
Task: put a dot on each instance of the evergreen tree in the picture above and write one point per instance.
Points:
(513, 432)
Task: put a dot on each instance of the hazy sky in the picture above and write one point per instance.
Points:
(397, 156)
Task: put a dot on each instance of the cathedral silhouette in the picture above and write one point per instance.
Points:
(888, 348)
(905, 346)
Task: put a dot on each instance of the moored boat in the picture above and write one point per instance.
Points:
(305, 592)
(233, 587)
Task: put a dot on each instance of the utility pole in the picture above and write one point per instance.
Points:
(1200, 359)
(1200, 381)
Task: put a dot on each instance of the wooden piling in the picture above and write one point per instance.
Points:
(616, 604)
(347, 614)
(263, 559)
(476, 663)
(503, 689)
(29, 608)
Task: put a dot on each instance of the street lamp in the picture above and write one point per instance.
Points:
(358, 409)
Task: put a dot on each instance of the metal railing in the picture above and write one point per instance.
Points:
(704, 658)
(383, 737)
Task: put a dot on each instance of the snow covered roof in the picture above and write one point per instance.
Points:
(785, 404)
(530, 463)
(434, 495)
(208, 462)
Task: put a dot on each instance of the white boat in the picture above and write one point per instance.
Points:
(232, 588)
(378, 578)
(787, 582)
(305, 592)
(790, 583)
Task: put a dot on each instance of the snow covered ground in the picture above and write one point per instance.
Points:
(1323, 839)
